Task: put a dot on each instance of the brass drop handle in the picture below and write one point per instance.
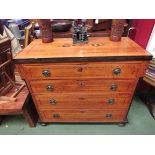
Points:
(49, 88)
(117, 71)
(114, 87)
(111, 101)
(108, 115)
(46, 73)
(52, 101)
(56, 116)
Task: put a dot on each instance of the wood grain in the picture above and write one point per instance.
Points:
(72, 115)
(83, 70)
(38, 51)
(83, 85)
(82, 100)
(80, 78)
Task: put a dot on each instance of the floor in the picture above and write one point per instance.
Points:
(140, 123)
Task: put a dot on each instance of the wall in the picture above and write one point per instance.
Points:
(143, 29)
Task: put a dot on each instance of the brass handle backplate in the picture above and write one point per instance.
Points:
(52, 101)
(46, 73)
(108, 115)
(49, 88)
(117, 71)
(111, 101)
(56, 116)
(114, 87)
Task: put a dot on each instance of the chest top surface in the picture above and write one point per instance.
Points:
(97, 49)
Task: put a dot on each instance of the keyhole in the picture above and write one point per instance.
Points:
(81, 84)
(79, 69)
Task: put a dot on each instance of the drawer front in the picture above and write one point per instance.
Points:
(78, 101)
(96, 85)
(72, 115)
(71, 70)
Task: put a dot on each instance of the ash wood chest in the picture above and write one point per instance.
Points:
(92, 82)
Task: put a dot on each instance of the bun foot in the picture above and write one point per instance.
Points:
(0, 120)
(122, 124)
(43, 124)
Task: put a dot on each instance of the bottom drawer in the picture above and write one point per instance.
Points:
(84, 115)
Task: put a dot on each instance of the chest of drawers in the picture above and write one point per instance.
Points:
(92, 82)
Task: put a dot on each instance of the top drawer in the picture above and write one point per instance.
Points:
(88, 70)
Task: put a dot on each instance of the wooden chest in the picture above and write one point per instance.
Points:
(92, 82)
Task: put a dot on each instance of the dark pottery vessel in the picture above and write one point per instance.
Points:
(61, 25)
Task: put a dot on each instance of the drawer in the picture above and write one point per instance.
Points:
(73, 115)
(85, 101)
(85, 85)
(80, 70)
